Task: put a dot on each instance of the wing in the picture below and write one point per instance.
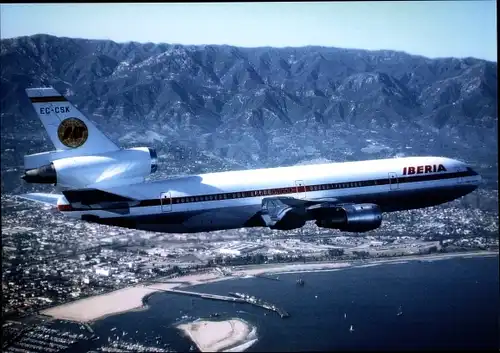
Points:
(85, 199)
(287, 213)
(48, 199)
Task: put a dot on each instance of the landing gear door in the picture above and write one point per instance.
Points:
(300, 189)
(166, 202)
(393, 181)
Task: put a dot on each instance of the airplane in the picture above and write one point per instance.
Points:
(105, 184)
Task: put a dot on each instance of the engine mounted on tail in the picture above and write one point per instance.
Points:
(84, 156)
(85, 171)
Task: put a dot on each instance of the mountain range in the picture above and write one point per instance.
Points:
(210, 108)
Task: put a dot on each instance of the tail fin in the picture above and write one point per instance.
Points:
(68, 129)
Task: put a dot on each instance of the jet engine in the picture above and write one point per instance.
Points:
(352, 218)
(83, 171)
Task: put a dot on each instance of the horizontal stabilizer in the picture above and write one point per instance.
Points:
(49, 199)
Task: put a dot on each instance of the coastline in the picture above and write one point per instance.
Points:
(134, 298)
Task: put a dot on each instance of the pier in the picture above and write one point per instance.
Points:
(267, 277)
(203, 295)
(260, 303)
(234, 297)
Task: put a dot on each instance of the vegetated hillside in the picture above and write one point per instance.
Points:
(212, 108)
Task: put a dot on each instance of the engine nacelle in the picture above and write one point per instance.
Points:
(82, 171)
(353, 218)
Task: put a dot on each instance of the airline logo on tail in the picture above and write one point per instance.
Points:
(72, 132)
(68, 129)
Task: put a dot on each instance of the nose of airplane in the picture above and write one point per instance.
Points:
(474, 176)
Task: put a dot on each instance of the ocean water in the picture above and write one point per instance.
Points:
(445, 304)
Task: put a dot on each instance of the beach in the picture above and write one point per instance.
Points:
(100, 306)
(122, 300)
(131, 298)
(216, 336)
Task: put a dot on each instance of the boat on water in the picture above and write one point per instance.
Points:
(351, 329)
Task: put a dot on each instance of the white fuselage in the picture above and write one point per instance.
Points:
(229, 200)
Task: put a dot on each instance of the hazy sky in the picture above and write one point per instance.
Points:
(429, 28)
